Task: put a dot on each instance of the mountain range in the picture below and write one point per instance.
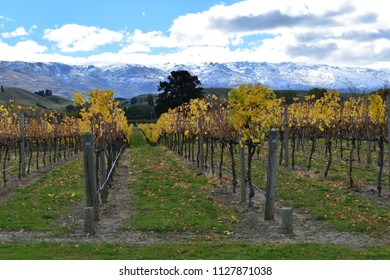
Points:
(129, 80)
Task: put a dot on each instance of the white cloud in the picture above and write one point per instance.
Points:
(20, 31)
(135, 48)
(30, 47)
(24, 50)
(220, 26)
(74, 37)
(5, 18)
(153, 39)
(336, 32)
(302, 30)
(31, 30)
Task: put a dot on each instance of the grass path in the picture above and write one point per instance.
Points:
(170, 197)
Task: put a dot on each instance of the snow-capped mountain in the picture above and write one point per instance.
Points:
(130, 80)
(288, 75)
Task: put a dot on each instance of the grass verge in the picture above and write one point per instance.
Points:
(188, 251)
(39, 205)
(170, 197)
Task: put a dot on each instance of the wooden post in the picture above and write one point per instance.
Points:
(201, 157)
(55, 140)
(271, 174)
(170, 141)
(287, 220)
(89, 221)
(285, 135)
(369, 157)
(242, 171)
(90, 175)
(22, 155)
(180, 140)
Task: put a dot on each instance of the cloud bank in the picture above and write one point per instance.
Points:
(345, 33)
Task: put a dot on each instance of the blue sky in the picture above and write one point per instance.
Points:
(147, 15)
(335, 32)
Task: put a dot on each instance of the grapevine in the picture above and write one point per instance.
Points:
(252, 110)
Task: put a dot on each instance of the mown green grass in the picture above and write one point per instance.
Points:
(39, 205)
(325, 198)
(328, 198)
(362, 172)
(187, 251)
(346, 210)
(169, 196)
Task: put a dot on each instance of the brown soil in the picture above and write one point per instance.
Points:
(253, 228)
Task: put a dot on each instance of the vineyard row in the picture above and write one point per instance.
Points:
(252, 110)
(29, 134)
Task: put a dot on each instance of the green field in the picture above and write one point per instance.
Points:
(27, 98)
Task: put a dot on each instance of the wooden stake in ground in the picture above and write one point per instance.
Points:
(22, 152)
(271, 174)
(242, 171)
(285, 135)
(90, 179)
(287, 220)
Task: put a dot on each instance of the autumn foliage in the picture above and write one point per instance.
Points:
(101, 116)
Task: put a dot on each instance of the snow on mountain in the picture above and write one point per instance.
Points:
(286, 75)
(130, 80)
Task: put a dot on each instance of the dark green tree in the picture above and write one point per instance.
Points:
(150, 100)
(318, 92)
(133, 101)
(180, 88)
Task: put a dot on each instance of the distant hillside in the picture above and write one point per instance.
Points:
(28, 98)
(62, 101)
(141, 99)
(138, 110)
